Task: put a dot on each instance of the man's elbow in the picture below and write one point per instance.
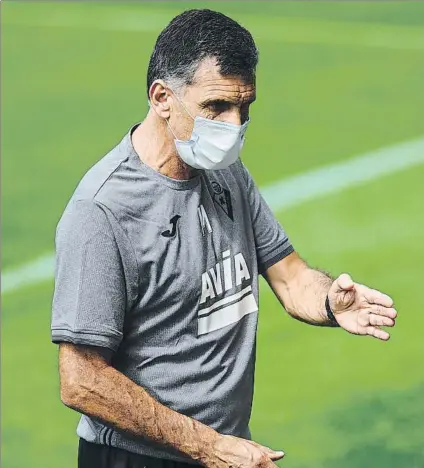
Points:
(74, 393)
(80, 372)
(70, 393)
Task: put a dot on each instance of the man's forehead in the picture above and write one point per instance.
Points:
(210, 85)
(231, 89)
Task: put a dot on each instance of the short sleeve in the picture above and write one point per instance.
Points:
(272, 243)
(91, 292)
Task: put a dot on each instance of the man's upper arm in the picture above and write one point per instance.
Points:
(272, 243)
(286, 270)
(72, 359)
(92, 279)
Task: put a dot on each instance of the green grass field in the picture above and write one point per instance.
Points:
(334, 80)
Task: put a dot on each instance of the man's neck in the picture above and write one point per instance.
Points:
(155, 146)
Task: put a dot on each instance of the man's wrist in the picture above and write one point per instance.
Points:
(330, 315)
(206, 439)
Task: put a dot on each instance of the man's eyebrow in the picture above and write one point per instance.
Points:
(250, 100)
(211, 101)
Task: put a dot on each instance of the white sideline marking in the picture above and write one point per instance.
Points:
(33, 272)
(280, 195)
(343, 175)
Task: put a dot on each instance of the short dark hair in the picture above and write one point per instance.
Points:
(195, 35)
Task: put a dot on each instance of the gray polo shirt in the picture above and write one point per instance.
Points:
(164, 272)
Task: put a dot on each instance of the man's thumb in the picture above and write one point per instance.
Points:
(345, 282)
(276, 455)
(273, 454)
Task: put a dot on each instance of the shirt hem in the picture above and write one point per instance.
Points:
(84, 338)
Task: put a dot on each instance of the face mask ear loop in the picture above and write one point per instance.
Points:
(170, 128)
(181, 102)
(184, 107)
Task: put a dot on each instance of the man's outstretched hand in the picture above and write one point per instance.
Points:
(361, 310)
(230, 451)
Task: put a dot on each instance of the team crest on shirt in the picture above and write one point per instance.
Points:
(222, 198)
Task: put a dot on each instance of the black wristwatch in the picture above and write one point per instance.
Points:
(330, 315)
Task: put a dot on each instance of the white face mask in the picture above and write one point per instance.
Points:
(212, 145)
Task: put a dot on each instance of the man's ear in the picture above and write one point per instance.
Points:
(160, 99)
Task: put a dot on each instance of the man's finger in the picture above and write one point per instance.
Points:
(376, 297)
(377, 333)
(380, 321)
(345, 282)
(383, 311)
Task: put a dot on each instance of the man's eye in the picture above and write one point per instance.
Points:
(220, 106)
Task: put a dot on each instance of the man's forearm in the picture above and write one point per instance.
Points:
(102, 392)
(307, 297)
(302, 292)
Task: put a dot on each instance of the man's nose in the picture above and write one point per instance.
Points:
(234, 117)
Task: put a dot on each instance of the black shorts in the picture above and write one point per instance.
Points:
(103, 456)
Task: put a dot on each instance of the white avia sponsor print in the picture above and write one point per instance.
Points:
(226, 300)
(204, 220)
(227, 315)
(226, 275)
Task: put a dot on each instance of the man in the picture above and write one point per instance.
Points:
(158, 256)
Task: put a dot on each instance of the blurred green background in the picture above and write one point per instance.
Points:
(334, 80)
